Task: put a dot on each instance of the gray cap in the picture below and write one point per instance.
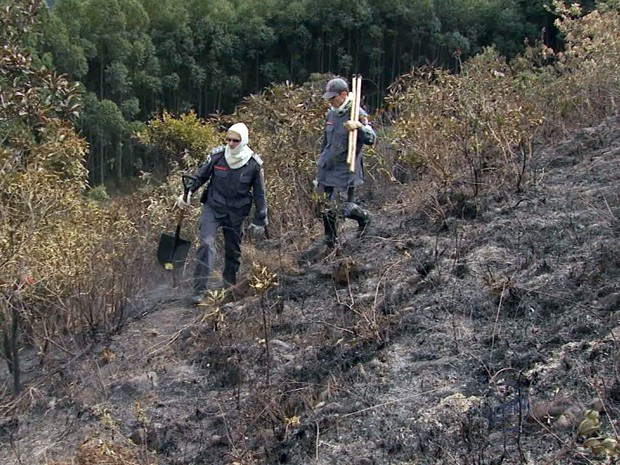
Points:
(334, 87)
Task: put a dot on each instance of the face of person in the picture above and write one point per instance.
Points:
(233, 139)
(339, 99)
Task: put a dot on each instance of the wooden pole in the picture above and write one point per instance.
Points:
(356, 88)
(350, 147)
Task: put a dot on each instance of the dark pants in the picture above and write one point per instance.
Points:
(335, 208)
(335, 195)
(232, 227)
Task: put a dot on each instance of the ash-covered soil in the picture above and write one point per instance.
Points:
(479, 337)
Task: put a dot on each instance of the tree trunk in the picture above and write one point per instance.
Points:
(257, 75)
(101, 163)
(119, 161)
(101, 75)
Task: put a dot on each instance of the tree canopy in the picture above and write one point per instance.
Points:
(142, 57)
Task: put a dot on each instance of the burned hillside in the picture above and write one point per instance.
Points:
(480, 336)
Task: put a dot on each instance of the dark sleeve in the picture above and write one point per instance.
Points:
(324, 140)
(366, 135)
(260, 198)
(204, 173)
(323, 143)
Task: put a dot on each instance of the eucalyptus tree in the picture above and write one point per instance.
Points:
(113, 58)
(256, 41)
(505, 24)
(148, 56)
(173, 39)
(58, 48)
(327, 33)
(399, 37)
(397, 27)
(72, 14)
(103, 124)
(290, 18)
(214, 25)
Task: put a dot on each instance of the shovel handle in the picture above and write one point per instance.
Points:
(177, 231)
(188, 183)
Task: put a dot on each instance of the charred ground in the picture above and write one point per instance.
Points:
(479, 336)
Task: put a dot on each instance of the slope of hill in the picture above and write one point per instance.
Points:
(478, 339)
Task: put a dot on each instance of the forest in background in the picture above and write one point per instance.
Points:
(135, 59)
(71, 257)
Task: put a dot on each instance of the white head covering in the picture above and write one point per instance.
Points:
(238, 156)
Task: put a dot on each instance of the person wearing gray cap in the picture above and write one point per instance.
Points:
(335, 182)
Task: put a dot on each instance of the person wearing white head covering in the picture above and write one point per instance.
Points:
(235, 180)
(238, 155)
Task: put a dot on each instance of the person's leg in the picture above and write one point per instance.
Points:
(233, 233)
(351, 194)
(205, 255)
(330, 219)
(330, 226)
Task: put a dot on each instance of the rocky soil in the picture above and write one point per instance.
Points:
(480, 337)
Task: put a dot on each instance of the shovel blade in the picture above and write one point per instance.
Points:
(172, 251)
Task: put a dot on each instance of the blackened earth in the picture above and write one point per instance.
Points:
(477, 337)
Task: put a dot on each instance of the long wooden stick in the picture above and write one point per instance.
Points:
(354, 117)
(351, 146)
(356, 87)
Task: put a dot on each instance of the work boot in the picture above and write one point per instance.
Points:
(363, 218)
(364, 223)
(229, 279)
(197, 297)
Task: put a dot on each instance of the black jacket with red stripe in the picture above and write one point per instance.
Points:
(233, 190)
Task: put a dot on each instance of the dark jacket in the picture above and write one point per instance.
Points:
(333, 169)
(232, 191)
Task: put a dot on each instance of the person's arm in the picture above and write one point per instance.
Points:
(260, 198)
(198, 179)
(366, 134)
(323, 142)
(205, 171)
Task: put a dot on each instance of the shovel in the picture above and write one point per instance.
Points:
(172, 250)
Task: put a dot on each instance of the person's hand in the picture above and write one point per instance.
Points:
(256, 232)
(352, 125)
(182, 203)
